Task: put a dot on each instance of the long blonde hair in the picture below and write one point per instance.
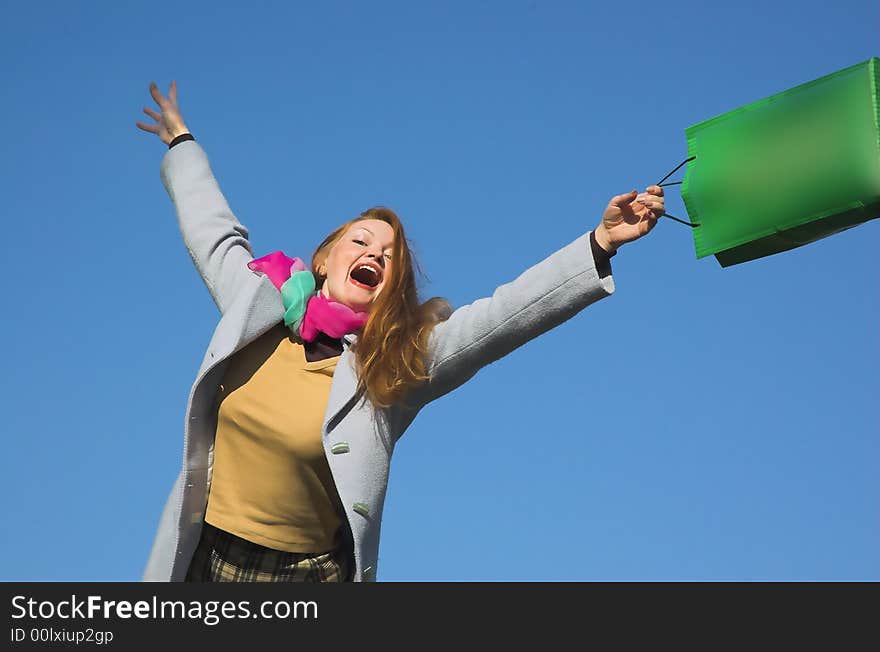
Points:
(390, 350)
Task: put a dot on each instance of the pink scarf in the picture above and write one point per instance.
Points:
(307, 312)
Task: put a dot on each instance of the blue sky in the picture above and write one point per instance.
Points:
(700, 424)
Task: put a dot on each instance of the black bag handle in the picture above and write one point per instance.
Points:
(676, 183)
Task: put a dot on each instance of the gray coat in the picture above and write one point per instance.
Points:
(358, 438)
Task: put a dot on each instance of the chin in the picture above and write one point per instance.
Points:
(358, 304)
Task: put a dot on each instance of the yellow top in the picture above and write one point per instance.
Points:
(271, 482)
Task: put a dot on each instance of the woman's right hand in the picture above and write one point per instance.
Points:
(169, 123)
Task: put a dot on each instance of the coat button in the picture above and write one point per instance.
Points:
(361, 509)
(341, 447)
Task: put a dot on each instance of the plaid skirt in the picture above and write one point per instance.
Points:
(224, 557)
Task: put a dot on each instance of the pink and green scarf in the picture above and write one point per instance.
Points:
(307, 312)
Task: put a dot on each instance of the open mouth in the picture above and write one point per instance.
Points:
(365, 276)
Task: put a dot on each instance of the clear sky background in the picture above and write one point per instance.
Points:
(699, 424)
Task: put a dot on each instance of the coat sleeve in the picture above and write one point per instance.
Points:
(216, 241)
(539, 299)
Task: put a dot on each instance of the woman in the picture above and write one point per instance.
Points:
(292, 421)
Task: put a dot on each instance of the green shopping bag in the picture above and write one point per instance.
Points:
(786, 170)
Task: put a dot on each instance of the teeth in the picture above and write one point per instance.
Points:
(372, 269)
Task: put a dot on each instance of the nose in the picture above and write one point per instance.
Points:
(378, 257)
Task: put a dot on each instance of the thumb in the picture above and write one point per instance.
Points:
(624, 200)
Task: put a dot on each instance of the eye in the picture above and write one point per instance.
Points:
(387, 256)
(360, 242)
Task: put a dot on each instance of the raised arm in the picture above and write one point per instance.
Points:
(216, 241)
(542, 297)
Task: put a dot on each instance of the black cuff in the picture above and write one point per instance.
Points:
(601, 257)
(180, 139)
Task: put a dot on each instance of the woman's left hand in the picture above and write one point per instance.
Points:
(628, 217)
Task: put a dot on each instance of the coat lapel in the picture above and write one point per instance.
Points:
(342, 390)
(263, 310)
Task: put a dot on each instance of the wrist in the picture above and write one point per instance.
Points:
(180, 131)
(603, 239)
(179, 139)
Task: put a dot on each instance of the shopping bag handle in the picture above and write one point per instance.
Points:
(676, 183)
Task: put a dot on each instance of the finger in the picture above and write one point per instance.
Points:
(655, 190)
(644, 212)
(157, 95)
(173, 92)
(648, 208)
(155, 116)
(153, 129)
(622, 201)
(646, 198)
(657, 209)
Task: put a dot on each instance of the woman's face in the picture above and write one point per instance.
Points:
(359, 263)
